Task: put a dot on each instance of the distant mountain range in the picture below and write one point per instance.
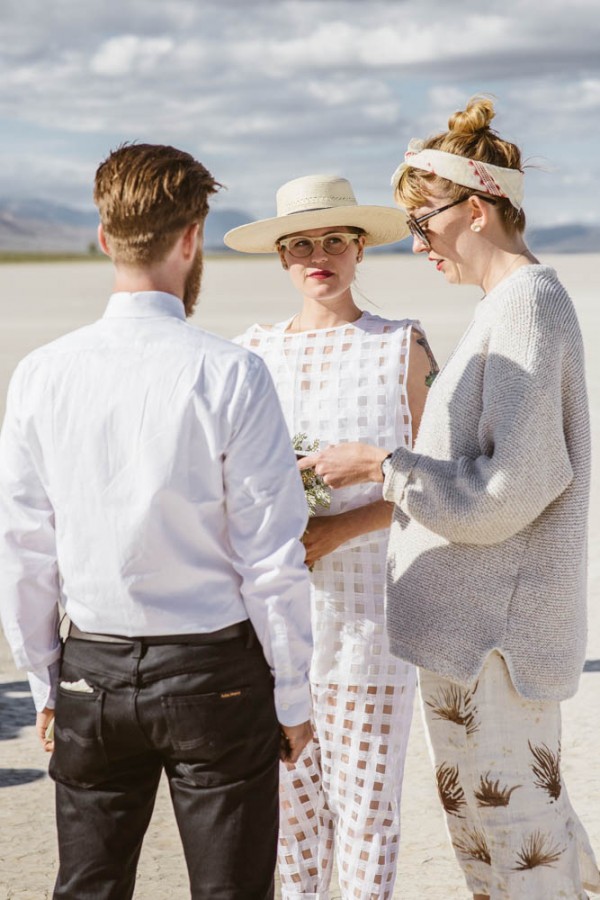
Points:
(565, 239)
(556, 239)
(43, 227)
(40, 226)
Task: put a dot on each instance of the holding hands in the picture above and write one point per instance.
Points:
(338, 466)
(294, 739)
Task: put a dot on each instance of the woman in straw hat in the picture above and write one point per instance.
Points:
(343, 374)
(487, 554)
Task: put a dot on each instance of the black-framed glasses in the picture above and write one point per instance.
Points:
(414, 225)
(334, 244)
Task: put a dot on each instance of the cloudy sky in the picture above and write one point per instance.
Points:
(263, 92)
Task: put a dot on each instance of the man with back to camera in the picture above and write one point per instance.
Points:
(147, 481)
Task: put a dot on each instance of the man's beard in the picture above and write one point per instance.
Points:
(191, 288)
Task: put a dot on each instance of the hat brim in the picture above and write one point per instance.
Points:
(381, 224)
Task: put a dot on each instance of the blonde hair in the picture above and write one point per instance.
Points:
(470, 135)
(147, 194)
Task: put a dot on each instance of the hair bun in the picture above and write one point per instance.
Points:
(476, 117)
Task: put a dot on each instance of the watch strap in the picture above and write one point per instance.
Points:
(385, 464)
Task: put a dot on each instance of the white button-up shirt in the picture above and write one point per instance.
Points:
(147, 481)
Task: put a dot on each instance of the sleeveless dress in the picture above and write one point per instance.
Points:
(336, 385)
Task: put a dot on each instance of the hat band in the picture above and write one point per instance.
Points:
(297, 212)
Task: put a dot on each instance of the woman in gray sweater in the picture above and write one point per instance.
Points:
(487, 553)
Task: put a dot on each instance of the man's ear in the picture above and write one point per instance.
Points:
(102, 240)
(189, 240)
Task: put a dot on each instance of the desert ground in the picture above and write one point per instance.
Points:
(40, 302)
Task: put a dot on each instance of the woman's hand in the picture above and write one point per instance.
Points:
(344, 464)
(323, 535)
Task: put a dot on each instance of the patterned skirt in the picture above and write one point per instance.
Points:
(497, 764)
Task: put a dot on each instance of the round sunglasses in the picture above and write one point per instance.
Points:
(301, 246)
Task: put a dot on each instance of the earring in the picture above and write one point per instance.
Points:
(475, 227)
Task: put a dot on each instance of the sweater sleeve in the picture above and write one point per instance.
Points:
(523, 462)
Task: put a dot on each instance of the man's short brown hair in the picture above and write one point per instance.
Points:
(146, 195)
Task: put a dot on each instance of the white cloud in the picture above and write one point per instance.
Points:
(65, 180)
(578, 96)
(269, 90)
(130, 53)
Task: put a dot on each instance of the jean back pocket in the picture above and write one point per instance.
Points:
(79, 757)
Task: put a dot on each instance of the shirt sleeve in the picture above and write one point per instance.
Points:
(523, 464)
(29, 585)
(267, 515)
(43, 685)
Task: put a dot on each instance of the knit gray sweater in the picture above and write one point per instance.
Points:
(488, 547)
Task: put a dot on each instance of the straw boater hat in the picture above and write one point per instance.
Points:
(318, 201)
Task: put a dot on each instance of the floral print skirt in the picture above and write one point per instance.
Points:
(497, 764)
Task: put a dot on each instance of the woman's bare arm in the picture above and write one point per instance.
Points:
(325, 533)
(422, 369)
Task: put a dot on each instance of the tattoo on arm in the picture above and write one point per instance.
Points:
(434, 368)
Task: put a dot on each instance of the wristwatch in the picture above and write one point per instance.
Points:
(385, 465)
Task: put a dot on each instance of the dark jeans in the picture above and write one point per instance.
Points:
(203, 714)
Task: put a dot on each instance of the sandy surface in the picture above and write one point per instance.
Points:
(38, 303)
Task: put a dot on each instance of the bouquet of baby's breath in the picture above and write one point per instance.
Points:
(316, 491)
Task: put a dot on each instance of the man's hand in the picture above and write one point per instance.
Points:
(42, 722)
(344, 464)
(294, 739)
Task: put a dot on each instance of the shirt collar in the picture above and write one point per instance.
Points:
(144, 305)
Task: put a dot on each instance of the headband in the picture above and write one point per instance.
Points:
(472, 173)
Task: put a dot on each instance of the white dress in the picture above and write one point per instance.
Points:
(337, 385)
